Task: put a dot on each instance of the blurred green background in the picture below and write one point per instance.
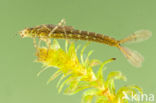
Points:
(116, 18)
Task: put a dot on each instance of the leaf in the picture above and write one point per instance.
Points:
(66, 46)
(110, 80)
(102, 99)
(88, 95)
(100, 75)
(89, 76)
(106, 62)
(70, 90)
(81, 86)
(100, 71)
(94, 62)
(115, 75)
(55, 45)
(72, 52)
(62, 85)
(77, 48)
(82, 51)
(88, 55)
(55, 75)
(62, 77)
(45, 68)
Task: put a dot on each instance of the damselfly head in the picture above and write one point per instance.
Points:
(24, 33)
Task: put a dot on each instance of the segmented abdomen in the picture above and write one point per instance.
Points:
(68, 32)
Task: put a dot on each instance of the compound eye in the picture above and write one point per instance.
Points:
(22, 33)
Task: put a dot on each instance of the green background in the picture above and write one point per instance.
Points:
(116, 18)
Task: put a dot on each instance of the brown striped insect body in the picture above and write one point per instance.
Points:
(46, 32)
(43, 31)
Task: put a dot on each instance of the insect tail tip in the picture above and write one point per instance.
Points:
(132, 56)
